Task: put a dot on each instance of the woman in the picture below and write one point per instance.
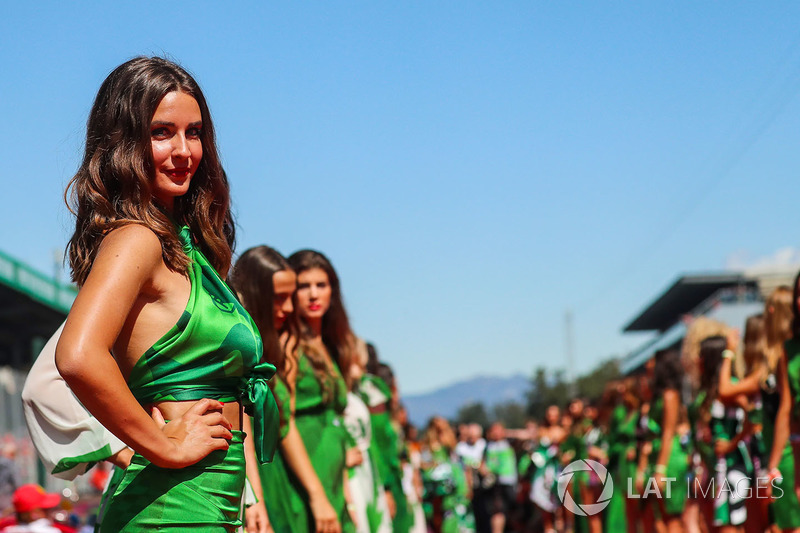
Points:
(366, 489)
(154, 333)
(733, 465)
(748, 391)
(379, 396)
(412, 479)
(777, 400)
(444, 481)
(546, 467)
(265, 283)
(668, 458)
(316, 439)
(623, 512)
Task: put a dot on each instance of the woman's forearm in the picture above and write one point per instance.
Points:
(728, 390)
(294, 451)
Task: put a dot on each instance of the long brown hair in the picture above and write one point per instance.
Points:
(700, 328)
(112, 187)
(755, 343)
(778, 318)
(251, 278)
(336, 333)
(710, 360)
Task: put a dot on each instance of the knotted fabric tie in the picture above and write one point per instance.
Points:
(185, 236)
(260, 403)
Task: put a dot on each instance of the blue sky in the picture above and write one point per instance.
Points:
(472, 169)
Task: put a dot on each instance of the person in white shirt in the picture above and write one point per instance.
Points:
(470, 451)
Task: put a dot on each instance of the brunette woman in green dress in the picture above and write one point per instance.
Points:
(623, 512)
(779, 405)
(756, 371)
(668, 459)
(324, 349)
(154, 333)
(265, 283)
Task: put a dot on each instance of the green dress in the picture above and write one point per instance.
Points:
(319, 423)
(621, 438)
(376, 394)
(792, 347)
(213, 351)
(734, 470)
(575, 444)
(366, 489)
(543, 472)
(785, 508)
(445, 486)
(677, 466)
(702, 441)
(284, 507)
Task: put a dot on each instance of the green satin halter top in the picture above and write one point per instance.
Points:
(213, 351)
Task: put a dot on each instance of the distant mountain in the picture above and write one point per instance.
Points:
(490, 390)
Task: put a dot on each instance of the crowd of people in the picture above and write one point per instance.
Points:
(231, 392)
(703, 439)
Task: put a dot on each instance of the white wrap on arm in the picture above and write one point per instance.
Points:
(67, 437)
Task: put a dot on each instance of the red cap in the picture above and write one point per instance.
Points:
(31, 496)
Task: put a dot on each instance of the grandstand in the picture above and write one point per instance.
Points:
(729, 297)
(32, 306)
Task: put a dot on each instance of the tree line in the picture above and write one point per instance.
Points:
(547, 387)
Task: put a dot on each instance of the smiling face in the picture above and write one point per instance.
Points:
(313, 293)
(177, 149)
(284, 283)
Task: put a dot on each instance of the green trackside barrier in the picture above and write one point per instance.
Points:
(41, 288)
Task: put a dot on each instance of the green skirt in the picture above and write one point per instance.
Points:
(285, 497)
(785, 507)
(678, 469)
(205, 496)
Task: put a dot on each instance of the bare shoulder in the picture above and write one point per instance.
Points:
(132, 252)
(134, 244)
(127, 262)
(134, 239)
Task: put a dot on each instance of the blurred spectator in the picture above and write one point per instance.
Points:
(32, 505)
(9, 477)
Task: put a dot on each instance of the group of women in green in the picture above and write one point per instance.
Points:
(702, 440)
(337, 463)
(228, 393)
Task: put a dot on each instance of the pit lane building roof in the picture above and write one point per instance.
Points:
(32, 306)
(729, 297)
